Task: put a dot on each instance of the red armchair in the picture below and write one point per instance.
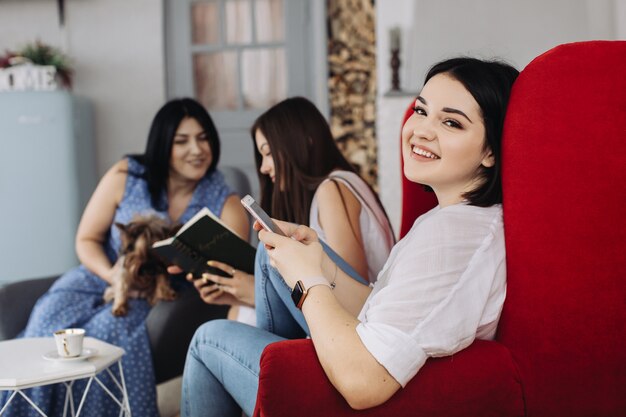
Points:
(560, 345)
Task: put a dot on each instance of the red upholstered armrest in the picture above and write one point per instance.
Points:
(479, 381)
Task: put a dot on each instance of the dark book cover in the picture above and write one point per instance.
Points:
(204, 237)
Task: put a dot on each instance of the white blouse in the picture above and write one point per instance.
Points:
(443, 285)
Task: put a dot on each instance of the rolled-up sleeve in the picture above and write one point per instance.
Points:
(386, 343)
(443, 285)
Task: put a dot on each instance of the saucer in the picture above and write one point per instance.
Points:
(53, 355)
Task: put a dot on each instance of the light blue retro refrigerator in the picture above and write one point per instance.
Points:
(47, 173)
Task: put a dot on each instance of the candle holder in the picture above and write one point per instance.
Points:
(395, 66)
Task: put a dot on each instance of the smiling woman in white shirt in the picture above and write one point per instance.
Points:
(443, 285)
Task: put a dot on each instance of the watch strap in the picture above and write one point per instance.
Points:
(311, 282)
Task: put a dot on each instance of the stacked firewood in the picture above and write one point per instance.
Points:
(352, 82)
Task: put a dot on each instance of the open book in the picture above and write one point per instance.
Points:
(204, 237)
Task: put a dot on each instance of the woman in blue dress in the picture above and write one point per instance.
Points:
(174, 178)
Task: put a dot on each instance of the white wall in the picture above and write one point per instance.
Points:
(620, 19)
(514, 30)
(117, 49)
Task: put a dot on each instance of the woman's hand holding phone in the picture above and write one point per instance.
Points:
(260, 215)
(297, 257)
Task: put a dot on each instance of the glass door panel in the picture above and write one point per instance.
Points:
(238, 22)
(205, 22)
(216, 85)
(264, 77)
(269, 21)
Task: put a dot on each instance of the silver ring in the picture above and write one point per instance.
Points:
(232, 272)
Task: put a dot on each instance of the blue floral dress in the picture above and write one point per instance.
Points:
(75, 300)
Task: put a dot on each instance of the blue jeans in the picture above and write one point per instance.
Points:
(221, 376)
(275, 311)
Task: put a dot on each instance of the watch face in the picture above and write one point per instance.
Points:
(297, 293)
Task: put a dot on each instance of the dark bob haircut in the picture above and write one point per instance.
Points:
(156, 158)
(490, 83)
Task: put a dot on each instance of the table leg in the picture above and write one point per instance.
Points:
(119, 363)
(69, 399)
(8, 402)
(82, 400)
(31, 403)
(124, 405)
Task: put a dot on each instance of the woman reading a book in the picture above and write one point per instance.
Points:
(443, 285)
(304, 179)
(174, 178)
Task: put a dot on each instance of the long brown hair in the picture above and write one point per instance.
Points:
(304, 154)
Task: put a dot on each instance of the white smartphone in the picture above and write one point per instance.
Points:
(260, 215)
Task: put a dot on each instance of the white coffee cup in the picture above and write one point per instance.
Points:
(69, 342)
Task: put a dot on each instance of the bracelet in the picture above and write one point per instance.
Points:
(334, 284)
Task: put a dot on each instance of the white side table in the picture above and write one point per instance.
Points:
(22, 366)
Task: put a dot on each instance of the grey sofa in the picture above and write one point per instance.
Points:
(170, 325)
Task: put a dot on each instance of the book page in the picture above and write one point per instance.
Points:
(163, 242)
(206, 212)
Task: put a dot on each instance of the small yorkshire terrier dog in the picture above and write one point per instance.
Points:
(139, 272)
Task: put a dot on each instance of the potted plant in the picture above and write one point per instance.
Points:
(40, 54)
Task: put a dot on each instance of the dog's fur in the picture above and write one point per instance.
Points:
(139, 272)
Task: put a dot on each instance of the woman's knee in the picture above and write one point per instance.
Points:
(211, 330)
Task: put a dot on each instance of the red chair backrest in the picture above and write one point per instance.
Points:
(564, 174)
(415, 199)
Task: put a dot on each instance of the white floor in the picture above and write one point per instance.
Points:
(168, 397)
